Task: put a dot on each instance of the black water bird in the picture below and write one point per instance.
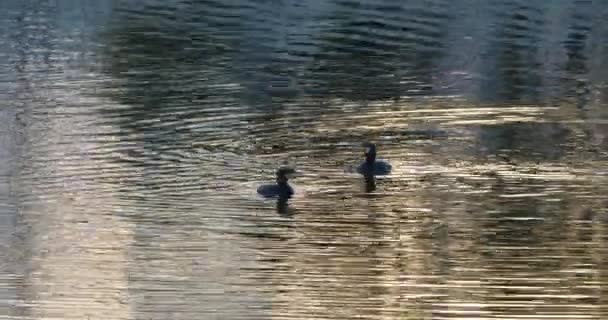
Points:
(281, 189)
(371, 166)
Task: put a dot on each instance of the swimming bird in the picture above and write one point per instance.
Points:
(371, 166)
(281, 189)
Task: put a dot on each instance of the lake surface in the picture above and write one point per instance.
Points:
(133, 135)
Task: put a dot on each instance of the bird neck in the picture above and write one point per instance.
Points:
(370, 158)
(282, 181)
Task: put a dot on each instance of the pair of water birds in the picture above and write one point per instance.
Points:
(368, 168)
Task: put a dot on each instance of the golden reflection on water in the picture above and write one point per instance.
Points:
(448, 235)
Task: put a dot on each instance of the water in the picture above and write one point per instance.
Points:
(134, 135)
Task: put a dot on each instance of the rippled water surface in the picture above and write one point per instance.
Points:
(133, 136)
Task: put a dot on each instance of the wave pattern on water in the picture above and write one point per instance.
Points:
(136, 133)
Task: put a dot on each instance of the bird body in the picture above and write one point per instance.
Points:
(280, 189)
(371, 166)
(376, 168)
(275, 190)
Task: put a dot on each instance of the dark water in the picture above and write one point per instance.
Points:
(133, 135)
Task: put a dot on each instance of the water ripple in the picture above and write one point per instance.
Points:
(134, 137)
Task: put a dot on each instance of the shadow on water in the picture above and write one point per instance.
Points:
(576, 66)
(516, 69)
(525, 141)
(161, 63)
(380, 50)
